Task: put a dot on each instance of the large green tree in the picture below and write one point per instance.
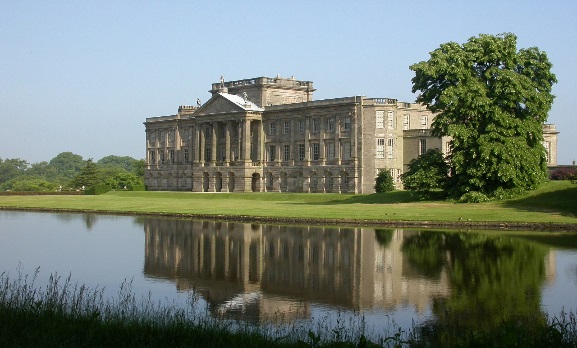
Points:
(492, 99)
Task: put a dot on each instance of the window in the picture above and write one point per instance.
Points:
(330, 151)
(301, 126)
(390, 120)
(223, 131)
(222, 154)
(301, 152)
(171, 156)
(448, 148)
(287, 152)
(380, 119)
(393, 173)
(162, 136)
(234, 154)
(315, 125)
(272, 128)
(380, 148)
(316, 151)
(271, 152)
(330, 124)
(424, 121)
(186, 157)
(347, 123)
(422, 146)
(406, 122)
(207, 153)
(162, 157)
(152, 157)
(345, 179)
(390, 148)
(346, 151)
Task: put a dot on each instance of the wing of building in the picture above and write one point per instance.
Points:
(268, 134)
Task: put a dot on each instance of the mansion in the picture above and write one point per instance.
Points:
(268, 134)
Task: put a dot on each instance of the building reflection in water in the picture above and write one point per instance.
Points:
(261, 272)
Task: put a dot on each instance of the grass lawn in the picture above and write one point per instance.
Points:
(556, 201)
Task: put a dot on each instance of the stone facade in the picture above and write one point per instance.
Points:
(268, 134)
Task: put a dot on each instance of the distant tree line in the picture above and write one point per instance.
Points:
(68, 171)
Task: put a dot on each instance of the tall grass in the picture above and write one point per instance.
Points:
(64, 314)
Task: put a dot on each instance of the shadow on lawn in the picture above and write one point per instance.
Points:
(563, 202)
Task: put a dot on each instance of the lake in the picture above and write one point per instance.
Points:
(265, 273)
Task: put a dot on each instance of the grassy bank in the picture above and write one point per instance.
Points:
(66, 315)
(555, 202)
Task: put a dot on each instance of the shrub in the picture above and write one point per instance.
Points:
(137, 188)
(473, 197)
(384, 182)
(563, 173)
(97, 189)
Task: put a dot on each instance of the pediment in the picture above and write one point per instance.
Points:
(223, 103)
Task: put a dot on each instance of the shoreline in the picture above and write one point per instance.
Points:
(476, 225)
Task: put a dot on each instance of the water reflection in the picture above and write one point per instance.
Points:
(256, 271)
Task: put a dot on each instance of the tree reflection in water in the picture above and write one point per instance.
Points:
(493, 279)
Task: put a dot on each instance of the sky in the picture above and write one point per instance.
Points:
(83, 76)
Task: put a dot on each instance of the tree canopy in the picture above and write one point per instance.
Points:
(492, 99)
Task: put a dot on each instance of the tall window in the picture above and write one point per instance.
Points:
(162, 157)
(330, 148)
(380, 119)
(301, 126)
(330, 124)
(315, 125)
(222, 154)
(301, 152)
(422, 146)
(287, 152)
(406, 122)
(390, 148)
(390, 120)
(347, 123)
(208, 154)
(424, 121)
(287, 127)
(271, 153)
(380, 148)
(316, 151)
(186, 157)
(272, 128)
(171, 156)
(152, 157)
(234, 153)
(346, 151)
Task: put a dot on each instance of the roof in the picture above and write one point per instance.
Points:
(240, 102)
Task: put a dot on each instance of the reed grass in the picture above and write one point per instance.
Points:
(65, 314)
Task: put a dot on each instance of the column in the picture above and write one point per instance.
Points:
(246, 142)
(227, 143)
(322, 149)
(213, 152)
(307, 142)
(202, 145)
(337, 142)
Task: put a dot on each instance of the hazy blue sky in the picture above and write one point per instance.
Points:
(82, 76)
